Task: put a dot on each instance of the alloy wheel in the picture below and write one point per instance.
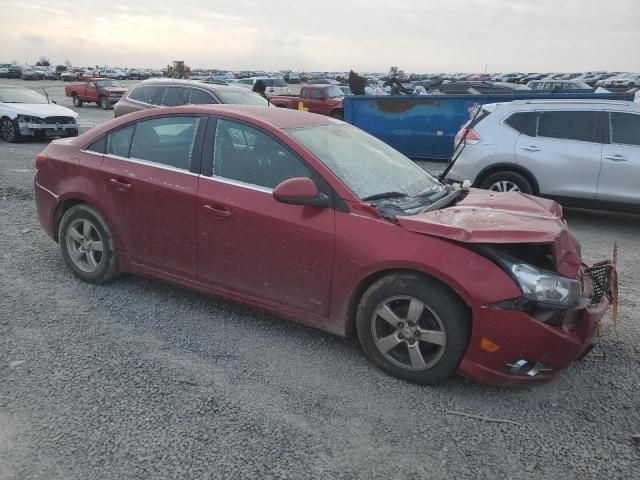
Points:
(408, 333)
(84, 244)
(504, 186)
(8, 130)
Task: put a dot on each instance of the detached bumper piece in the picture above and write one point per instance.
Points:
(512, 344)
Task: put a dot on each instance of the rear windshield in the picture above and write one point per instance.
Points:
(241, 97)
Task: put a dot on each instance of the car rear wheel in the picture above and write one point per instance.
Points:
(10, 130)
(413, 328)
(337, 114)
(507, 182)
(86, 245)
(76, 101)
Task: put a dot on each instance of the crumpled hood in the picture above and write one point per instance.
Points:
(41, 110)
(500, 218)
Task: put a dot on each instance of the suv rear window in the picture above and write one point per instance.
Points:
(569, 125)
(625, 128)
(147, 94)
(524, 122)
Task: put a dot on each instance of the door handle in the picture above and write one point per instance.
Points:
(220, 212)
(616, 158)
(532, 148)
(120, 184)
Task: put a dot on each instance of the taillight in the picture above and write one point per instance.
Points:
(470, 137)
(40, 159)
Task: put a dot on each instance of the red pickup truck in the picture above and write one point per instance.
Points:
(103, 91)
(322, 99)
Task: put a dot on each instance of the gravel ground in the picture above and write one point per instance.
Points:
(141, 380)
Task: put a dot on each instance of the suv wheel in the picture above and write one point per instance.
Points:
(413, 328)
(507, 182)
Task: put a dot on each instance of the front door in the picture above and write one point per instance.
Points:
(247, 241)
(620, 176)
(151, 188)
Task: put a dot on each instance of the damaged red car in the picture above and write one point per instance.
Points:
(314, 220)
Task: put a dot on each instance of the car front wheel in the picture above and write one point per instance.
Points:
(507, 182)
(413, 328)
(86, 245)
(10, 130)
(104, 103)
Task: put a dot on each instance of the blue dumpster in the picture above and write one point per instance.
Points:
(424, 126)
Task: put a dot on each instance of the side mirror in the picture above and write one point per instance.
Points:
(300, 191)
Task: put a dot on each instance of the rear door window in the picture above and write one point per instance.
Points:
(167, 141)
(581, 126)
(625, 128)
(148, 94)
(175, 97)
(524, 122)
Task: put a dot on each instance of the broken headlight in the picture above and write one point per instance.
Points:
(542, 286)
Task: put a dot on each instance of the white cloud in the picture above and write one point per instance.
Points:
(424, 36)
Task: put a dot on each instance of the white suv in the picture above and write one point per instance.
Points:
(114, 73)
(579, 152)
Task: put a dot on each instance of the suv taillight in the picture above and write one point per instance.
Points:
(471, 137)
(40, 159)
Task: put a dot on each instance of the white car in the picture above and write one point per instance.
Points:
(26, 113)
(631, 81)
(275, 85)
(114, 73)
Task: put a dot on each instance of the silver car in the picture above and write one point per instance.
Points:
(579, 152)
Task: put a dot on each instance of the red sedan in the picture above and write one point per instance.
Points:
(314, 220)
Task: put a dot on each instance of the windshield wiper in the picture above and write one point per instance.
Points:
(378, 196)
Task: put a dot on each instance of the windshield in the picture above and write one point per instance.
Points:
(366, 165)
(108, 83)
(241, 97)
(21, 95)
(334, 92)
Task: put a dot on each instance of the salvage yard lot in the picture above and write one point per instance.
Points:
(138, 379)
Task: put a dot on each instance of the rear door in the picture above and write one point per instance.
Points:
(620, 176)
(150, 184)
(565, 155)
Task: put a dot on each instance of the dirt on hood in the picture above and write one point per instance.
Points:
(502, 218)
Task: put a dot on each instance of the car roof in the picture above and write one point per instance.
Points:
(571, 103)
(172, 82)
(278, 118)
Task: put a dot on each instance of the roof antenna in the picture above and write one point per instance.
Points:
(46, 95)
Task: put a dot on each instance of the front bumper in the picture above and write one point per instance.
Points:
(500, 338)
(47, 129)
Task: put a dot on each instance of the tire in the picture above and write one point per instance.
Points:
(339, 114)
(437, 332)
(507, 182)
(9, 130)
(103, 103)
(80, 232)
(76, 101)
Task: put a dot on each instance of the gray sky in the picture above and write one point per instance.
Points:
(417, 36)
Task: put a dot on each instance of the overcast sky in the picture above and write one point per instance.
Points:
(416, 35)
